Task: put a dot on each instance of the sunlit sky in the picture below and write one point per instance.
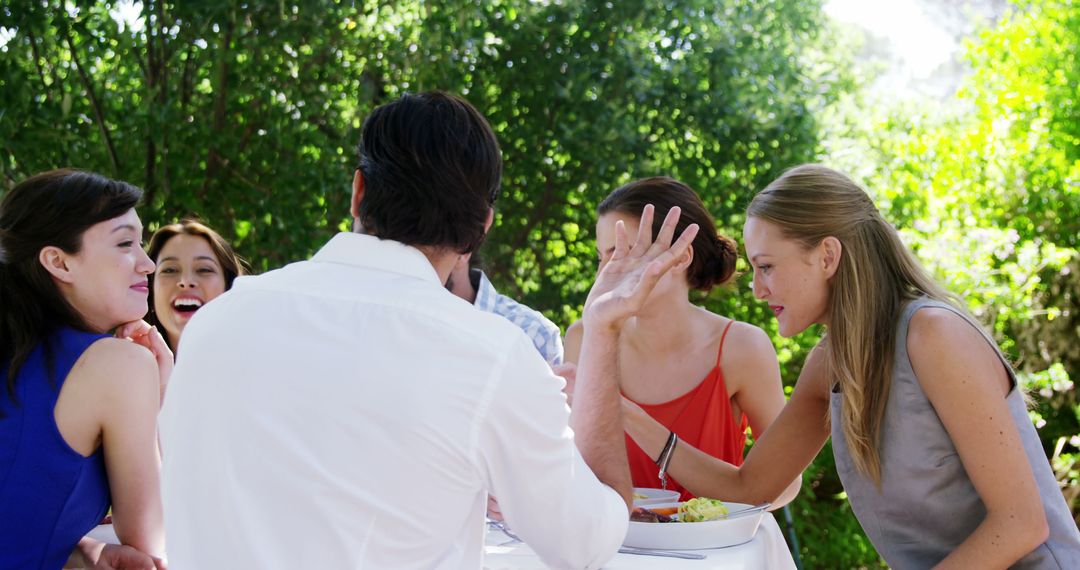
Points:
(130, 13)
(920, 43)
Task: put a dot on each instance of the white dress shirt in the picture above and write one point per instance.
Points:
(350, 412)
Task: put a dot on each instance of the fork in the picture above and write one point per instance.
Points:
(514, 539)
(655, 552)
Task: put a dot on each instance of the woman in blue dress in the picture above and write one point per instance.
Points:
(78, 406)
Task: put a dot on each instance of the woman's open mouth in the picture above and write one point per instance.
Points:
(187, 306)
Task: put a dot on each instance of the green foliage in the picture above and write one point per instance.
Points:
(246, 113)
(1025, 96)
(239, 113)
(587, 96)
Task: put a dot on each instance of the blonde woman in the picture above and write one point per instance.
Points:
(684, 370)
(930, 432)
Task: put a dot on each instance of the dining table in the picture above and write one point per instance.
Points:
(767, 550)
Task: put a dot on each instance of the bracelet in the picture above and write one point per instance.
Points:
(667, 447)
(665, 458)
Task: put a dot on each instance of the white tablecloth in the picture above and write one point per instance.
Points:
(767, 550)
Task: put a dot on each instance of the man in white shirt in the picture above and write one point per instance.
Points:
(350, 412)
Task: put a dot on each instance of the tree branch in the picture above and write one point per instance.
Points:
(544, 203)
(37, 62)
(157, 84)
(150, 73)
(98, 114)
(187, 85)
(213, 159)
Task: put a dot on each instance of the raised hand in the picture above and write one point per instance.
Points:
(140, 332)
(634, 269)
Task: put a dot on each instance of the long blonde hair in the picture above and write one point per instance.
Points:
(876, 275)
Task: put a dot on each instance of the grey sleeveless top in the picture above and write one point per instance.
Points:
(927, 505)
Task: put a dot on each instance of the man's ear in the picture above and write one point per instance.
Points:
(55, 261)
(490, 220)
(831, 251)
(357, 193)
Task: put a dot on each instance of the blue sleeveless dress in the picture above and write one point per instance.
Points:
(50, 495)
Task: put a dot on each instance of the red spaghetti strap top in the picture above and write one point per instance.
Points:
(703, 418)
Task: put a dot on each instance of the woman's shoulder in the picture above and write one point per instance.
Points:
(941, 329)
(572, 341)
(945, 347)
(109, 384)
(938, 326)
(747, 358)
(745, 350)
(739, 339)
(110, 361)
(575, 328)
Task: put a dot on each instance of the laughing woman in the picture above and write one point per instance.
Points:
(78, 408)
(930, 432)
(194, 265)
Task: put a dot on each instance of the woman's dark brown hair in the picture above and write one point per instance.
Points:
(54, 208)
(714, 255)
(232, 265)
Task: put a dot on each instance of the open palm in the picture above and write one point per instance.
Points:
(630, 275)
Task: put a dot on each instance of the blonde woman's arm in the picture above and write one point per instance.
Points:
(778, 457)
(966, 382)
(752, 374)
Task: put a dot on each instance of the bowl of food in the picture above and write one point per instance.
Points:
(693, 525)
(647, 496)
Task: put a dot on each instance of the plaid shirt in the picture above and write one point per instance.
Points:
(543, 333)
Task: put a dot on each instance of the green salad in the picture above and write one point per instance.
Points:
(701, 509)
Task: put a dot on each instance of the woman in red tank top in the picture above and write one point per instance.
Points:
(703, 376)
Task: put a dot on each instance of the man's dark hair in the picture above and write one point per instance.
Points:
(431, 168)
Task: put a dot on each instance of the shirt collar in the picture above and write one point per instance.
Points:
(485, 291)
(361, 250)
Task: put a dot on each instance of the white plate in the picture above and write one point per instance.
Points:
(654, 496)
(695, 536)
